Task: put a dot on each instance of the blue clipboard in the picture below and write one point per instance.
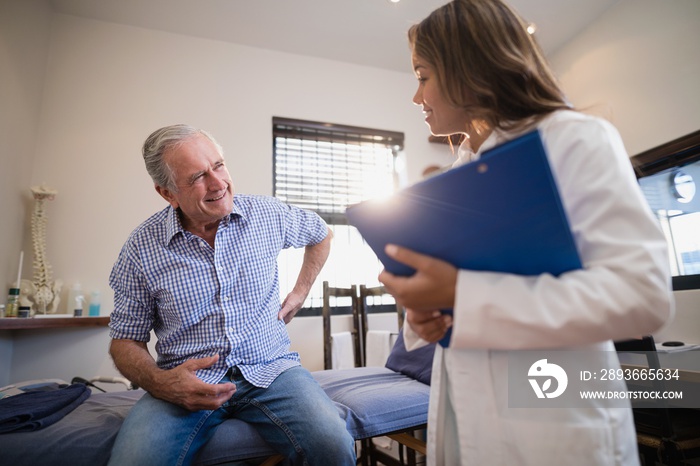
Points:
(501, 213)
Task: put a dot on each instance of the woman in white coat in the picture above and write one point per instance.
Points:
(482, 75)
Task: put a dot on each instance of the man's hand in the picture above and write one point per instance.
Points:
(291, 305)
(178, 385)
(181, 386)
(314, 257)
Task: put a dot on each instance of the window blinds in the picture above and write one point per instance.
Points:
(325, 168)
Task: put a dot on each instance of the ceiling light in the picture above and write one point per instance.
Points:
(394, 1)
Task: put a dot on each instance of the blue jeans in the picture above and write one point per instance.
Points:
(294, 415)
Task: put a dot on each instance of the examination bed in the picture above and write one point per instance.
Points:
(374, 401)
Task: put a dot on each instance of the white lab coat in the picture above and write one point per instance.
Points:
(622, 291)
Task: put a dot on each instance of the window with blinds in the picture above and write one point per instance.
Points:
(325, 168)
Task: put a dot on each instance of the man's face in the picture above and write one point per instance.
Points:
(204, 187)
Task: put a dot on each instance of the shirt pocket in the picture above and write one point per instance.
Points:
(257, 279)
(186, 292)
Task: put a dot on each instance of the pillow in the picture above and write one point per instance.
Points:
(417, 364)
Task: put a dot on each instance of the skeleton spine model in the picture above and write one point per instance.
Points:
(42, 291)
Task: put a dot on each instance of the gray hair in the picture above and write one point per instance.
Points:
(161, 141)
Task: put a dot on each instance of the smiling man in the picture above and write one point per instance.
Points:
(202, 274)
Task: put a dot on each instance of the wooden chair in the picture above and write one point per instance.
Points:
(363, 306)
(665, 435)
(407, 440)
(328, 292)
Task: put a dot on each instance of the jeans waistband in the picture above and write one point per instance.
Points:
(232, 371)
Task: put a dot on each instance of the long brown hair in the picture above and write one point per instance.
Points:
(482, 48)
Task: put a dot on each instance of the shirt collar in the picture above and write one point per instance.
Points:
(465, 154)
(173, 225)
(236, 212)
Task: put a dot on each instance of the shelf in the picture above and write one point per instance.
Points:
(16, 323)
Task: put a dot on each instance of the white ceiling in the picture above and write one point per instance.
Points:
(365, 32)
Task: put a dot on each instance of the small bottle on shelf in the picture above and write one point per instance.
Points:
(94, 309)
(24, 312)
(78, 307)
(75, 291)
(12, 306)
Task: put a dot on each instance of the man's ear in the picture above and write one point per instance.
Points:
(167, 195)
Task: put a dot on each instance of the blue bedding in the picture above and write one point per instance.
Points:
(372, 400)
(375, 400)
(34, 410)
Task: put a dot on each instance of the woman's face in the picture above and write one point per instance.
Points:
(442, 117)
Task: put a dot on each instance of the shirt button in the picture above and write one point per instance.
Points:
(225, 298)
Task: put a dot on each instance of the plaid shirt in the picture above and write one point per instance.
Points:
(202, 301)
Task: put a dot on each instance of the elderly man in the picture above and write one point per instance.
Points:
(202, 274)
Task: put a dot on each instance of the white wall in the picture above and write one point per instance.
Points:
(107, 86)
(23, 52)
(639, 66)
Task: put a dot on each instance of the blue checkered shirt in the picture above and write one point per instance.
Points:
(202, 301)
